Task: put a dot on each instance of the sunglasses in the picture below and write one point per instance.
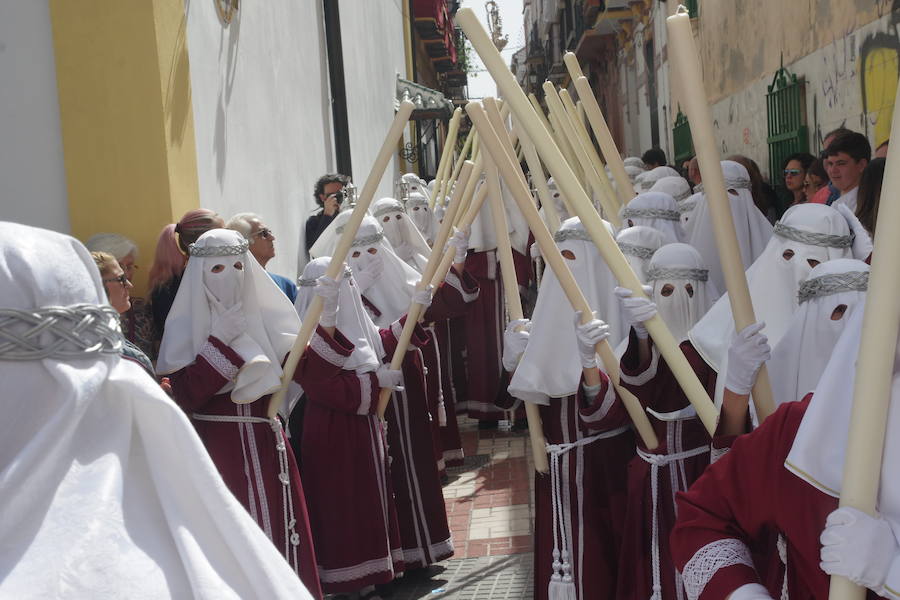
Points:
(121, 279)
(265, 233)
(792, 172)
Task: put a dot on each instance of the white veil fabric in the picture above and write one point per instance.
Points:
(657, 210)
(811, 232)
(682, 267)
(421, 215)
(752, 229)
(638, 244)
(634, 161)
(405, 238)
(107, 491)
(633, 172)
(799, 359)
(550, 366)
(272, 324)
(415, 184)
(649, 178)
(677, 187)
(821, 464)
(353, 321)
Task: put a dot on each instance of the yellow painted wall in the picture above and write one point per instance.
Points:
(127, 123)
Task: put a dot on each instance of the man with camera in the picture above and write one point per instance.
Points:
(328, 194)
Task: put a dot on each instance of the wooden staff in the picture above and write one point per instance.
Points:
(514, 306)
(687, 67)
(565, 179)
(498, 123)
(463, 156)
(415, 309)
(446, 157)
(585, 137)
(554, 258)
(539, 179)
(562, 142)
(874, 366)
(581, 153)
(601, 131)
(464, 223)
(336, 266)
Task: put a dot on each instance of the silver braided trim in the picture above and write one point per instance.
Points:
(639, 251)
(657, 273)
(819, 287)
(312, 282)
(60, 332)
(195, 250)
(686, 206)
(651, 213)
(571, 234)
(369, 239)
(813, 238)
(389, 207)
(683, 195)
(737, 184)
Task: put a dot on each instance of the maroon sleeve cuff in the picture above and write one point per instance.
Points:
(333, 349)
(419, 339)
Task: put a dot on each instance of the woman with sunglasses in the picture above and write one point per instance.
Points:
(795, 168)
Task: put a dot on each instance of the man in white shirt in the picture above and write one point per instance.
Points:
(846, 157)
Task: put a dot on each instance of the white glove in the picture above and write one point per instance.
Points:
(230, 324)
(858, 547)
(862, 241)
(423, 297)
(459, 241)
(750, 591)
(388, 378)
(589, 335)
(748, 351)
(368, 275)
(636, 310)
(328, 289)
(514, 342)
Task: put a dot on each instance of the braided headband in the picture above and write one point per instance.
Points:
(657, 273)
(651, 213)
(312, 282)
(819, 287)
(639, 251)
(686, 206)
(195, 250)
(813, 238)
(571, 234)
(389, 207)
(59, 332)
(738, 183)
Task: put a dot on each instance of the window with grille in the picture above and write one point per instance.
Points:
(681, 139)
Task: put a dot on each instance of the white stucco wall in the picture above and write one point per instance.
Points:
(32, 173)
(372, 39)
(261, 114)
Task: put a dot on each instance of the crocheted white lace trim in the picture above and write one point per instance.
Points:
(647, 375)
(365, 393)
(717, 453)
(219, 361)
(364, 569)
(453, 281)
(707, 561)
(323, 349)
(608, 399)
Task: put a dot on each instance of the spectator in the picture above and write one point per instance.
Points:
(262, 247)
(654, 157)
(694, 173)
(815, 182)
(833, 192)
(882, 149)
(870, 194)
(137, 321)
(328, 198)
(794, 170)
(845, 159)
(764, 196)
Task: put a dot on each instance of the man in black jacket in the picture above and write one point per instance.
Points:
(328, 197)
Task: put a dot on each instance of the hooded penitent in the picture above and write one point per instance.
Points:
(221, 275)
(405, 238)
(657, 210)
(551, 366)
(650, 177)
(828, 298)
(421, 215)
(107, 491)
(638, 244)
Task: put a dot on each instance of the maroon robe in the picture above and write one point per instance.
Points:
(248, 454)
(451, 441)
(593, 487)
(645, 556)
(345, 468)
(739, 501)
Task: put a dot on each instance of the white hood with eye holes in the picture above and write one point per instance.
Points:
(681, 267)
(405, 238)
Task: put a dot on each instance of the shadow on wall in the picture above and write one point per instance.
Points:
(177, 107)
(229, 39)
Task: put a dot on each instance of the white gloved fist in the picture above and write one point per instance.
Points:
(589, 335)
(862, 241)
(460, 242)
(515, 340)
(229, 325)
(370, 273)
(328, 289)
(636, 310)
(389, 378)
(748, 351)
(750, 591)
(858, 547)
(423, 297)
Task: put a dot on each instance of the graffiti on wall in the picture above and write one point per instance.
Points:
(879, 72)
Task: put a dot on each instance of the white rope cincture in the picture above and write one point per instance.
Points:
(291, 537)
(562, 584)
(656, 461)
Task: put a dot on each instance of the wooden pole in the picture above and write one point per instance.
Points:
(539, 180)
(463, 155)
(585, 137)
(624, 188)
(336, 266)
(446, 157)
(415, 309)
(554, 258)
(514, 306)
(592, 222)
(686, 62)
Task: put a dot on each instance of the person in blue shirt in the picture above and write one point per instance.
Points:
(262, 247)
